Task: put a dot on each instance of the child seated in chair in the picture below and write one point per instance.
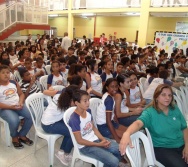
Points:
(12, 106)
(28, 83)
(89, 140)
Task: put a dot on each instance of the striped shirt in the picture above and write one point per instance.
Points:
(25, 85)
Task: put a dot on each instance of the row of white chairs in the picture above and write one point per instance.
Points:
(35, 102)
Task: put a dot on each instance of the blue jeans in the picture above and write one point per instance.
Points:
(60, 128)
(127, 121)
(105, 131)
(12, 118)
(110, 156)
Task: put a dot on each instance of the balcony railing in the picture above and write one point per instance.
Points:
(169, 3)
(93, 4)
(22, 13)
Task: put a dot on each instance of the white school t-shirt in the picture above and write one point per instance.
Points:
(83, 125)
(96, 83)
(8, 93)
(106, 105)
(124, 108)
(52, 113)
(135, 95)
(148, 94)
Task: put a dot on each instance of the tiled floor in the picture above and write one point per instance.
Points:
(10, 157)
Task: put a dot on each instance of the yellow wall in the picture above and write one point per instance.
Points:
(33, 32)
(61, 23)
(84, 26)
(124, 26)
(162, 24)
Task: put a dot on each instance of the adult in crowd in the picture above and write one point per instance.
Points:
(167, 127)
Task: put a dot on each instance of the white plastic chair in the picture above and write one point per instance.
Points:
(17, 76)
(141, 84)
(36, 103)
(180, 96)
(43, 82)
(134, 153)
(157, 163)
(48, 67)
(178, 102)
(7, 132)
(58, 87)
(183, 91)
(8, 138)
(94, 103)
(76, 152)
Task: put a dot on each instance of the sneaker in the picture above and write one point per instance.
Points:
(61, 156)
(68, 157)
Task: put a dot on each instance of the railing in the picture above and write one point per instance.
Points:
(169, 3)
(43, 3)
(93, 4)
(22, 13)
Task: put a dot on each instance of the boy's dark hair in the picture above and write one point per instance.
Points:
(97, 51)
(177, 57)
(75, 80)
(53, 57)
(5, 62)
(81, 53)
(119, 64)
(41, 54)
(77, 95)
(161, 65)
(132, 62)
(39, 59)
(124, 60)
(29, 59)
(163, 74)
(2, 67)
(61, 59)
(172, 55)
(133, 57)
(22, 71)
(20, 53)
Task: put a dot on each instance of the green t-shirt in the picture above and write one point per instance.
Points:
(166, 130)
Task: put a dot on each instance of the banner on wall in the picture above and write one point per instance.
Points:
(182, 27)
(171, 40)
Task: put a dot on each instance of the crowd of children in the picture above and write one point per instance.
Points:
(106, 71)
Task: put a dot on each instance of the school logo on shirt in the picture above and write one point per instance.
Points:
(9, 93)
(87, 129)
(137, 95)
(59, 82)
(99, 80)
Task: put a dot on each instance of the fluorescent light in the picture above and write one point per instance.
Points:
(87, 14)
(53, 15)
(133, 14)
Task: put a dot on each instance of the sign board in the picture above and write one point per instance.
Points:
(171, 40)
(182, 27)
